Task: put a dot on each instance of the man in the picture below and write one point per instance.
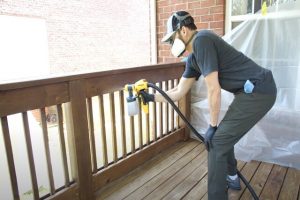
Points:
(222, 67)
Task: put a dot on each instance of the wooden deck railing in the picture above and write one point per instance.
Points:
(98, 141)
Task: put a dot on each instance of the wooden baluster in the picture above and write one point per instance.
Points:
(171, 110)
(103, 130)
(166, 113)
(10, 158)
(140, 126)
(122, 118)
(147, 127)
(132, 134)
(47, 150)
(30, 156)
(113, 126)
(63, 144)
(160, 115)
(92, 134)
(177, 104)
(154, 128)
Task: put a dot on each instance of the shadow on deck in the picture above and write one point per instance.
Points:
(180, 172)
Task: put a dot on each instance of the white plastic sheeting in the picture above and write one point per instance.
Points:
(273, 41)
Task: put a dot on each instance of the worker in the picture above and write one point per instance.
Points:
(223, 67)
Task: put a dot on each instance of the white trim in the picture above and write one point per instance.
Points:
(153, 32)
(228, 16)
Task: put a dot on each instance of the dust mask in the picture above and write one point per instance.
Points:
(178, 48)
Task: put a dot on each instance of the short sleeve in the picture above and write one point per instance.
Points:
(190, 68)
(206, 55)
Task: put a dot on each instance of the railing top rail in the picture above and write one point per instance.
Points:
(17, 84)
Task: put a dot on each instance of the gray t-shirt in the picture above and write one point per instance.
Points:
(211, 53)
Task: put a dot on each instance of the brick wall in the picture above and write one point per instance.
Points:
(208, 14)
(90, 35)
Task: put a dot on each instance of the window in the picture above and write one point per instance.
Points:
(238, 11)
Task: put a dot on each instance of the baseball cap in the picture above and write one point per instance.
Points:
(175, 22)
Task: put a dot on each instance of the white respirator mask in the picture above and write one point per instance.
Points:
(178, 48)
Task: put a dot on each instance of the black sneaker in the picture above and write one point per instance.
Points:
(233, 184)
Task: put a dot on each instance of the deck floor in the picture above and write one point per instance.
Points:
(180, 172)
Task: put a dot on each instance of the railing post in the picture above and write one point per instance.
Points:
(185, 108)
(81, 139)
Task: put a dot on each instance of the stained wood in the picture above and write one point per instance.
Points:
(122, 127)
(132, 133)
(81, 139)
(140, 127)
(92, 133)
(259, 180)
(10, 158)
(160, 114)
(30, 156)
(147, 128)
(181, 172)
(154, 120)
(145, 180)
(200, 189)
(47, 150)
(154, 188)
(290, 187)
(103, 130)
(274, 183)
(163, 70)
(32, 98)
(166, 110)
(171, 109)
(71, 193)
(131, 162)
(184, 186)
(116, 81)
(63, 144)
(113, 126)
(248, 172)
(123, 187)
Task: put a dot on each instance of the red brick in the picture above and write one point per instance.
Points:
(202, 25)
(217, 9)
(180, 7)
(216, 24)
(206, 18)
(164, 53)
(219, 17)
(207, 3)
(194, 5)
(168, 9)
(202, 11)
(162, 3)
(220, 2)
(163, 16)
(176, 1)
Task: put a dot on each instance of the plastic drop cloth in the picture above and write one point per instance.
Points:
(273, 41)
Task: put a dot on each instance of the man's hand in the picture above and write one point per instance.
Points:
(208, 136)
(146, 97)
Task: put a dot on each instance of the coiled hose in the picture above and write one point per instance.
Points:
(198, 134)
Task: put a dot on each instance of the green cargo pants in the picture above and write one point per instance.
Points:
(243, 113)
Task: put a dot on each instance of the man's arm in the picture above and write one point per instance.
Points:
(214, 96)
(177, 92)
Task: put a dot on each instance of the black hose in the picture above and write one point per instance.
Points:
(251, 190)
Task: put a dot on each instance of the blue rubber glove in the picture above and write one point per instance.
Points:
(208, 136)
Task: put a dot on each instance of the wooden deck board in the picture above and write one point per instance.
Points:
(123, 187)
(180, 172)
